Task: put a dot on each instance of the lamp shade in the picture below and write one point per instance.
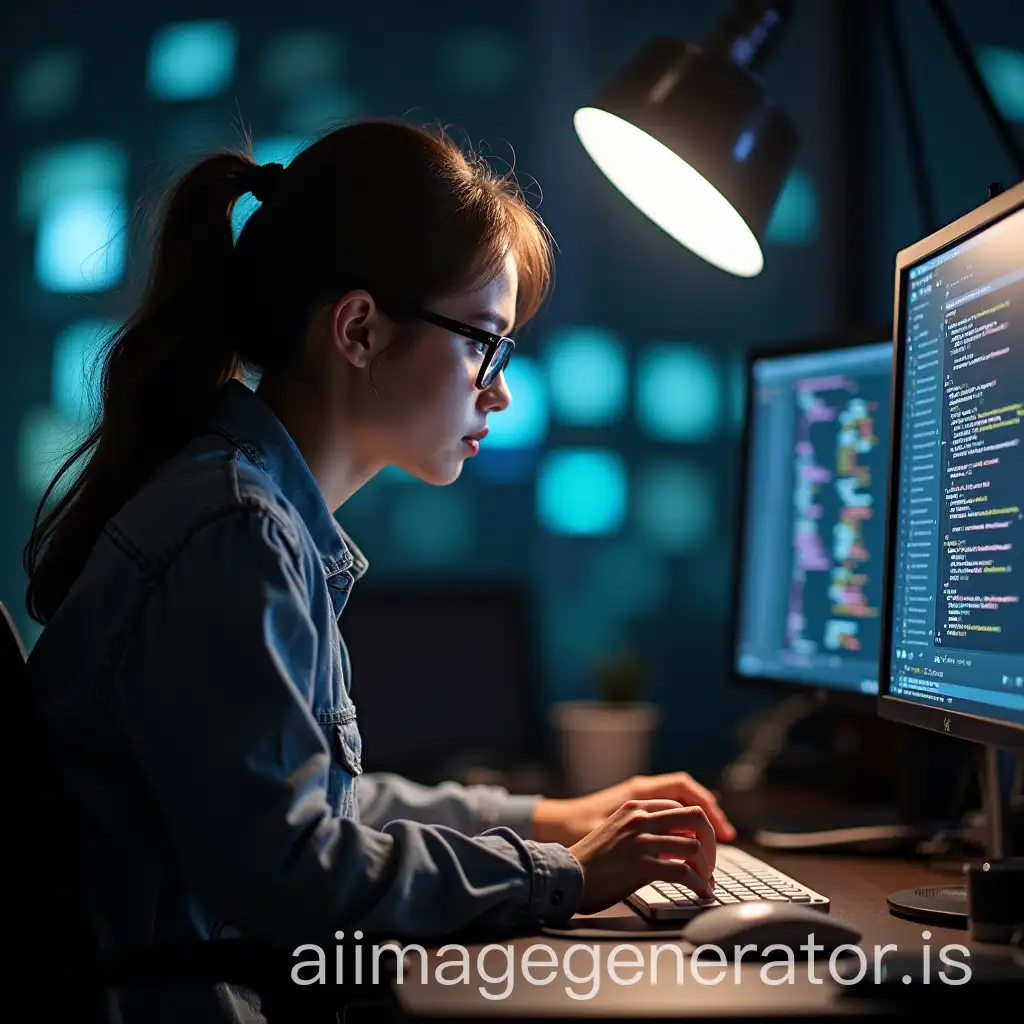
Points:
(692, 140)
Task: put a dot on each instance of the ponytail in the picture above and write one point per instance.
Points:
(160, 376)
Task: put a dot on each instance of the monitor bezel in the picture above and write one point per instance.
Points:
(951, 723)
(811, 344)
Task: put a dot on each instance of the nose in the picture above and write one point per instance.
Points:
(496, 397)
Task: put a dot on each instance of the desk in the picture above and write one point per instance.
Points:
(857, 887)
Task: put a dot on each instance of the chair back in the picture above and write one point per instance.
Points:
(55, 947)
(57, 963)
(12, 650)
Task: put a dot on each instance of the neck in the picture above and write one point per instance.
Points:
(329, 445)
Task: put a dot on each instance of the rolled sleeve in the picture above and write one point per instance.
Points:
(214, 697)
(385, 797)
(558, 883)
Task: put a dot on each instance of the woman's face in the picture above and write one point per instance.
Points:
(427, 399)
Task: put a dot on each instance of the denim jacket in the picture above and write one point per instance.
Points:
(200, 693)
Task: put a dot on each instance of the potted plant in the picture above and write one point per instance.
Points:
(607, 740)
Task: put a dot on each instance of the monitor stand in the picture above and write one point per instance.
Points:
(882, 834)
(800, 821)
(945, 906)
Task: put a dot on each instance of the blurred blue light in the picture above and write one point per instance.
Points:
(794, 220)
(479, 62)
(675, 506)
(80, 246)
(192, 60)
(576, 632)
(744, 144)
(504, 465)
(431, 525)
(582, 492)
(1003, 72)
(301, 62)
(46, 439)
(524, 424)
(587, 375)
(630, 578)
(46, 83)
(321, 110)
(74, 168)
(278, 149)
(75, 377)
(396, 475)
(678, 393)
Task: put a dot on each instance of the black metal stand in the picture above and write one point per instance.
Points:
(923, 188)
(925, 807)
(946, 906)
(958, 44)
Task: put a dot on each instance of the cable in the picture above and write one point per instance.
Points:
(963, 54)
(911, 121)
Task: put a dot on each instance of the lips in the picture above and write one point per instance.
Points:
(478, 436)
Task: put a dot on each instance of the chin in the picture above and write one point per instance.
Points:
(440, 475)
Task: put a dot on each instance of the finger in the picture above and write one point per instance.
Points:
(677, 848)
(650, 806)
(685, 819)
(724, 828)
(690, 791)
(679, 872)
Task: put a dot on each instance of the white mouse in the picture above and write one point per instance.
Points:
(763, 923)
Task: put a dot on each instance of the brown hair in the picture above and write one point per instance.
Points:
(392, 208)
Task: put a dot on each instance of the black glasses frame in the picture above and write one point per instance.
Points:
(499, 348)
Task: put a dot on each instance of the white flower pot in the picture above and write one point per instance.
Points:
(603, 743)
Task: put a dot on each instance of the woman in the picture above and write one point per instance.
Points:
(192, 576)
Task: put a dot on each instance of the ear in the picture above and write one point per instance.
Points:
(358, 329)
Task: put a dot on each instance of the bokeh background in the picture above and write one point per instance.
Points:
(609, 487)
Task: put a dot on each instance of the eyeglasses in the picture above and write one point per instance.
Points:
(498, 349)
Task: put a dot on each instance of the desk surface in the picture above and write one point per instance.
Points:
(856, 886)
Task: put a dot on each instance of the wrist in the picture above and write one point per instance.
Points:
(549, 821)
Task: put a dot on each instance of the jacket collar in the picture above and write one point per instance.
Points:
(249, 424)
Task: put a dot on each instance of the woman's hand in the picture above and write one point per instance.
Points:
(568, 821)
(645, 841)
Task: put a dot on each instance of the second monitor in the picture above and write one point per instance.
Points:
(809, 591)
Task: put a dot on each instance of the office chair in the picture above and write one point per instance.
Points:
(58, 960)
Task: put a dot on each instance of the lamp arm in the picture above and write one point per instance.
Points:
(911, 121)
(970, 68)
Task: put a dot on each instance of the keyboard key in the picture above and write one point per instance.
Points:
(650, 895)
(740, 877)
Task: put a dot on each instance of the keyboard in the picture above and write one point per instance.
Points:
(739, 878)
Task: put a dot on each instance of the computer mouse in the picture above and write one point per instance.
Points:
(764, 923)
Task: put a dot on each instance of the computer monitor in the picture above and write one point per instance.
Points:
(808, 590)
(953, 626)
(812, 507)
(444, 678)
